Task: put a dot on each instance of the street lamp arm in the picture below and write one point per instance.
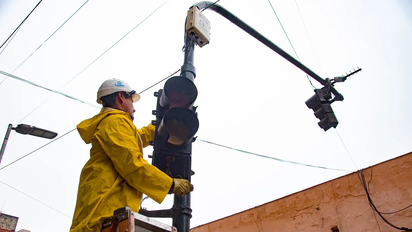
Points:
(225, 13)
(6, 138)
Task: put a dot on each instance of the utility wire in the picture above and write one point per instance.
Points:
(54, 91)
(251, 153)
(364, 184)
(2, 207)
(45, 88)
(43, 44)
(74, 128)
(346, 149)
(361, 177)
(99, 107)
(398, 210)
(37, 149)
(205, 141)
(73, 98)
(159, 82)
(94, 106)
(21, 79)
(290, 42)
(35, 199)
(54, 141)
(269, 157)
(116, 42)
(24, 20)
(389, 212)
(307, 33)
(95, 59)
(377, 223)
(211, 5)
(49, 37)
(357, 171)
(38, 106)
(273, 9)
(8, 45)
(10, 75)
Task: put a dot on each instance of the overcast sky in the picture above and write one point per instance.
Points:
(250, 98)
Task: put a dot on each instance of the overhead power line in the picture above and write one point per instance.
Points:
(49, 36)
(8, 45)
(73, 98)
(116, 42)
(210, 5)
(250, 153)
(346, 149)
(56, 140)
(44, 41)
(54, 91)
(24, 20)
(48, 206)
(290, 42)
(94, 106)
(372, 204)
(97, 57)
(273, 158)
(99, 107)
(159, 81)
(10, 75)
(284, 31)
(365, 186)
(37, 149)
(307, 33)
(45, 88)
(205, 141)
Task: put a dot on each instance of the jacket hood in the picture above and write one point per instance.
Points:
(87, 128)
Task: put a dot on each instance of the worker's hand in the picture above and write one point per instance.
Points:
(181, 187)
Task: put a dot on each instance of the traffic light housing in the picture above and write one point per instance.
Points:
(176, 124)
(320, 103)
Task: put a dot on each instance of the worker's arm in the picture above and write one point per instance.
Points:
(147, 134)
(118, 140)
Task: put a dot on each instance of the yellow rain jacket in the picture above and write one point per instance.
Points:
(116, 174)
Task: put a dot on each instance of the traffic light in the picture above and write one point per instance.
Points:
(176, 124)
(320, 103)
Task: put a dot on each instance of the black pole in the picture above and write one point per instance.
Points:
(183, 213)
(181, 205)
(188, 70)
(6, 138)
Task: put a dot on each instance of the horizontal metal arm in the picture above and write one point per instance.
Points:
(164, 213)
(225, 13)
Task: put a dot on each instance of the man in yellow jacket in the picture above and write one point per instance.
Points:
(116, 174)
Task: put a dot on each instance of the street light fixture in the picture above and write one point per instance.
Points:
(26, 130)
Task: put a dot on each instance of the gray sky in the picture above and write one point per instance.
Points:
(250, 98)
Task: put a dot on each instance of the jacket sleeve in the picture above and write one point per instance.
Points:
(147, 134)
(118, 140)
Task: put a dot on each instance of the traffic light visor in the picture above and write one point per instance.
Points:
(179, 125)
(179, 92)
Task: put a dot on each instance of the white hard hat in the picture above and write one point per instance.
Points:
(115, 85)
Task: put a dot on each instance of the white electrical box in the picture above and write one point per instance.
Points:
(198, 26)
